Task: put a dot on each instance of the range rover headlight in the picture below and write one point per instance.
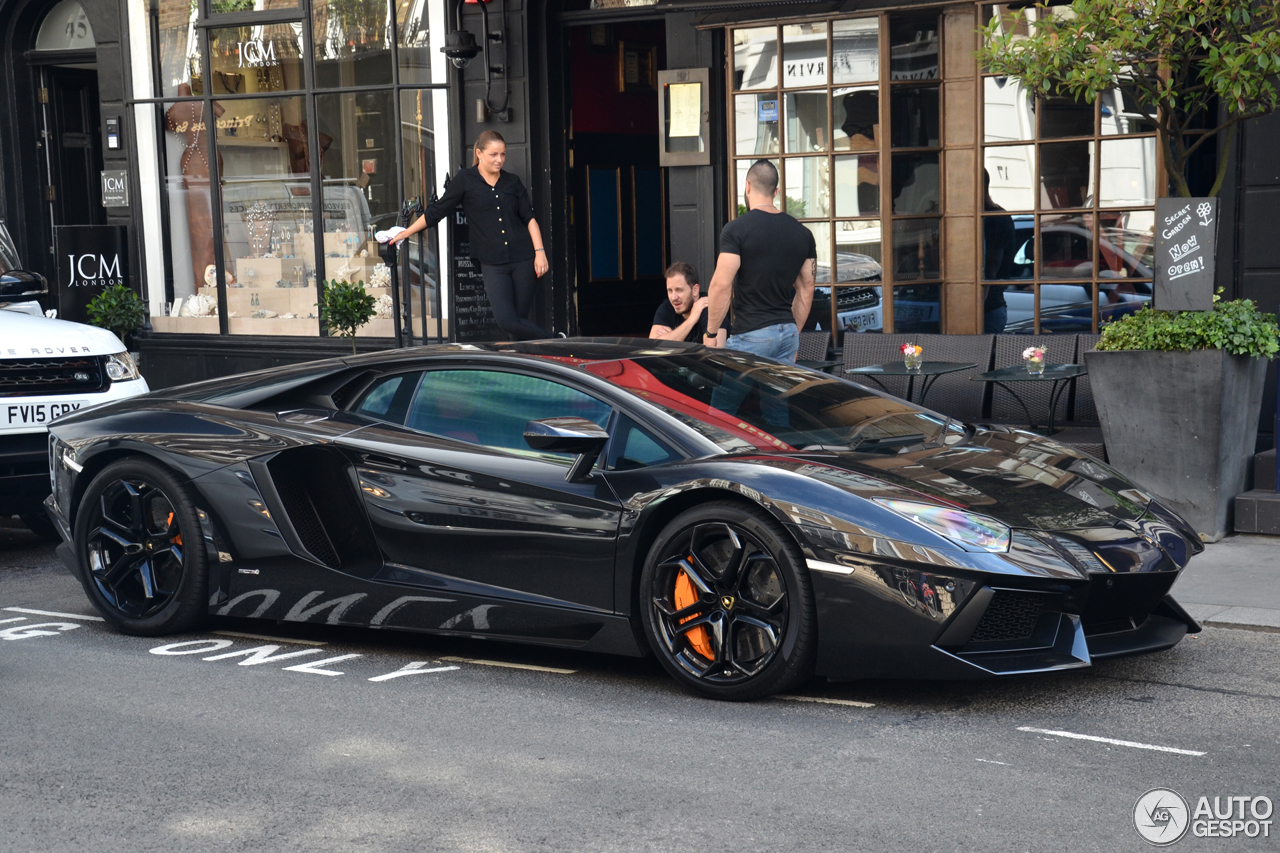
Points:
(121, 367)
(964, 528)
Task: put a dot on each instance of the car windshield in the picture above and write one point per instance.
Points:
(8, 253)
(745, 405)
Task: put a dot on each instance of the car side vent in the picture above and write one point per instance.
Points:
(317, 491)
(1010, 616)
(306, 520)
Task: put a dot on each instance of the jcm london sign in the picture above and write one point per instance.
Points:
(90, 259)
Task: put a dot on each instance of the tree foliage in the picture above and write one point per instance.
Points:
(1180, 58)
(1236, 326)
(345, 307)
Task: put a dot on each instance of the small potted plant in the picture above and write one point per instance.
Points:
(1033, 357)
(912, 357)
(118, 310)
(345, 307)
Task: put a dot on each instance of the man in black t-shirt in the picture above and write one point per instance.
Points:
(682, 317)
(772, 257)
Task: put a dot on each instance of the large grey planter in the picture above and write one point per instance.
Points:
(1181, 425)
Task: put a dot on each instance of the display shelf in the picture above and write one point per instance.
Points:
(186, 325)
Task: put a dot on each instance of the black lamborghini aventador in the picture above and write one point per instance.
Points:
(748, 522)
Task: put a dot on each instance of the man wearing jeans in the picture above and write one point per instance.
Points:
(773, 258)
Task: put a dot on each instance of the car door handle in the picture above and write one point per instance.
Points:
(385, 462)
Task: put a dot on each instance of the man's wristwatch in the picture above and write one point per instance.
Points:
(711, 334)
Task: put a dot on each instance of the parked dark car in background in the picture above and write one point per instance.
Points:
(748, 522)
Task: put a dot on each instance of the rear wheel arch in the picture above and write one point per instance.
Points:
(97, 462)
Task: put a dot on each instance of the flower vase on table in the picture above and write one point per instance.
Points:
(1033, 357)
(912, 357)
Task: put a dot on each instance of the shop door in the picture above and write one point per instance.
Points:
(619, 191)
(75, 146)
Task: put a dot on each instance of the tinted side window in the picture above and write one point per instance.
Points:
(388, 399)
(491, 408)
(635, 447)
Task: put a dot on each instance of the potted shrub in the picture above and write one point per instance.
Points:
(1178, 395)
(345, 307)
(119, 310)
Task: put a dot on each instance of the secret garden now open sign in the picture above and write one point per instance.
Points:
(1186, 243)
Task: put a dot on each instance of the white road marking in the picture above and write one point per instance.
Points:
(313, 667)
(1112, 741)
(263, 654)
(989, 761)
(269, 639)
(824, 701)
(414, 668)
(513, 665)
(54, 614)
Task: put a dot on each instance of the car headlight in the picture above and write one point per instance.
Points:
(965, 528)
(121, 367)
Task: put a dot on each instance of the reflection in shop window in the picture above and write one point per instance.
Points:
(1066, 246)
(361, 193)
(855, 45)
(857, 118)
(418, 109)
(806, 114)
(222, 7)
(916, 184)
(1066, 174)
(415, 41)
(914, 117)
(808, 187)
(917, 249)
(352, 43)
(755, 58)
(186, 155)
(1008, 111)
(918, 309)
(756, 124)
(1127, 172)
(270, 251)
(1012, 171)
(254, 60)
(858, 185)
(913, 47)
(858, 250)
(804, 54)
(178, 61)
(1126, 246)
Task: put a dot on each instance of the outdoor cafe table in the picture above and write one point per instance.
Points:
(1060, 375)
(930, 370)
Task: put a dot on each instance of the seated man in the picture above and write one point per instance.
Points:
(683, 317)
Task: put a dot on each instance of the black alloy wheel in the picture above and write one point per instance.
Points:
(141, 550)
(727, 605)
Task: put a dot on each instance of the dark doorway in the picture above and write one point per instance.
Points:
(73, 129)
(618, 191)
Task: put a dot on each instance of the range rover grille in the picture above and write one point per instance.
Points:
(41, 376)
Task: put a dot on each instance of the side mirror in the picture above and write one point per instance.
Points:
(568, 435)
(21, 284)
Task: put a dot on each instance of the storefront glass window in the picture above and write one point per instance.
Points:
(306, 172)
(755, 58)
(256, 59)
(833, 146)
(223, 7)
(352, 42)
(269, 252)
(856, 50)
(414, 34)
(192, 306)
(1078, 260)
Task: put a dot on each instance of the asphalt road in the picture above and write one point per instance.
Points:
(106, 745)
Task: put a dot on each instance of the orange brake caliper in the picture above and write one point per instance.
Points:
(685, 594)
(177, 540)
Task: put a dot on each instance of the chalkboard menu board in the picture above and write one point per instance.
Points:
(470, 317)
(1186, 243)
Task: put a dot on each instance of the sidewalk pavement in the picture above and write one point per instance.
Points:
(1233, 583)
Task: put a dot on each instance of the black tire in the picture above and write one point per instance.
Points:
(751, 587)
(140, 549)
(41, 525)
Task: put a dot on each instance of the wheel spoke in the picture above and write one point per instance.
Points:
(110, 531)
(712, 539)
(124, 567)
(147, 575)
(684, 612)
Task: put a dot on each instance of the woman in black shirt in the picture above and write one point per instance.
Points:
(505, 238)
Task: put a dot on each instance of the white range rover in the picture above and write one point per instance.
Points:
(47, 368)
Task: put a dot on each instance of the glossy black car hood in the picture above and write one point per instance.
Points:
(1023, 481)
